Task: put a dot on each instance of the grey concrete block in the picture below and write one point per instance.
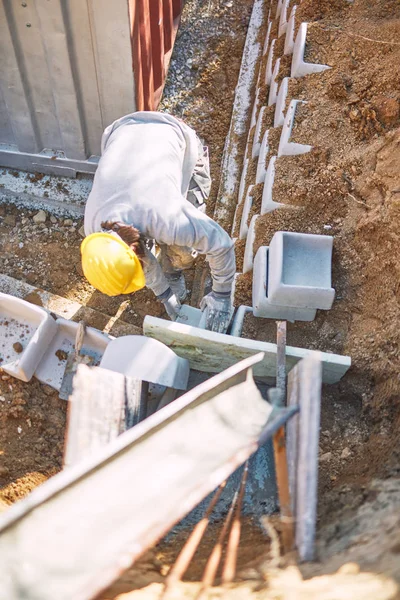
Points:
(248, 203)
(26, 330)
(283, 18)
(266, 42)
(267, 203)
(279, 116)
(262, 158)
(287, 148)
(270, 59)
(262, 306)
(300, 270)
(273, 88)
(238, 319)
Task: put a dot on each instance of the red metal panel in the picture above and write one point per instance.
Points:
(154, 24)
(168, 25)
(157, 41)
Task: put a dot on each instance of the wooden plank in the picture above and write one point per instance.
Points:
(292, 433)
(103, 405)
(213, 352)
(143, 8)
(282, 479)
(157, 43)
(305, 383)
(74, 534)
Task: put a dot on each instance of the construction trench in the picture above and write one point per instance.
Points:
(343, 186)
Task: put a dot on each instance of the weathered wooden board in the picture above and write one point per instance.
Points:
(213, 352)
(305, 384)
(73, 535)
(103, 405)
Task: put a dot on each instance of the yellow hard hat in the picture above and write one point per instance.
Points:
(110, 265)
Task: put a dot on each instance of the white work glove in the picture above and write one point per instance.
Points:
(218, 309)
(171, 304)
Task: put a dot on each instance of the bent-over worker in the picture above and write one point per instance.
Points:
(151, 184)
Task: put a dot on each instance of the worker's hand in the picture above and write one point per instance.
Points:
(171, 304)
(218, 308)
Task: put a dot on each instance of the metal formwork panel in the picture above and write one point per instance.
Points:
(65, 74)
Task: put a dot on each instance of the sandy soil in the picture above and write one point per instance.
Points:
(348, 186)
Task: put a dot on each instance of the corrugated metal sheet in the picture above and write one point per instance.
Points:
(65, 74)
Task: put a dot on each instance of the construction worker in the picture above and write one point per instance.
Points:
(152, 184)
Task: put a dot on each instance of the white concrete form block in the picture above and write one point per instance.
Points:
(248, 203)
(289, 38)
(238, 320)
(299, 67)
(149, 360)
(279, 8)
(242, 185)
(279, 116)
(262, 307)
(270, 60)
(283, 18)
(267, 204)
(262, 157)
(248, 251)
(299, 268)
(52, 366)
(257, 134)
(287, 148)
(273, 88)
(26, 330)
(266, 42)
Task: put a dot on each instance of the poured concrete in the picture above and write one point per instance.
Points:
(300, 270)
(262, 307)
(25, 333)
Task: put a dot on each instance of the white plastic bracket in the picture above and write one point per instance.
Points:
(279, 116)
(248, 203)
(273, 88)
(299, 67)
(287, 148)
(262, 157)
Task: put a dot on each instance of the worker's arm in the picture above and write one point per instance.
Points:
(156, 281)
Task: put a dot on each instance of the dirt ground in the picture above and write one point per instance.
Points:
(349, 187)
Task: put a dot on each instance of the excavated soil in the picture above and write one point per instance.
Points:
(349, 187)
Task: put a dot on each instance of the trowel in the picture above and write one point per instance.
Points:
(74, 359)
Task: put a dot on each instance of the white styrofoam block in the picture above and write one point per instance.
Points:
(270, 60)
(257, 133)
(273, 88)
(267, 204)
(243, 180)
(52, 366)
(279, 8)
(300, 270)
(283, 18)
(279, 116)
(189, 315)
(289, 38)
(262, 157)
(248, 251)
(287, 148)
(299, 67)
(262, 307)
(266, 42)
(248, 203)
(238, 319)
(138, 357)
(28, 325)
